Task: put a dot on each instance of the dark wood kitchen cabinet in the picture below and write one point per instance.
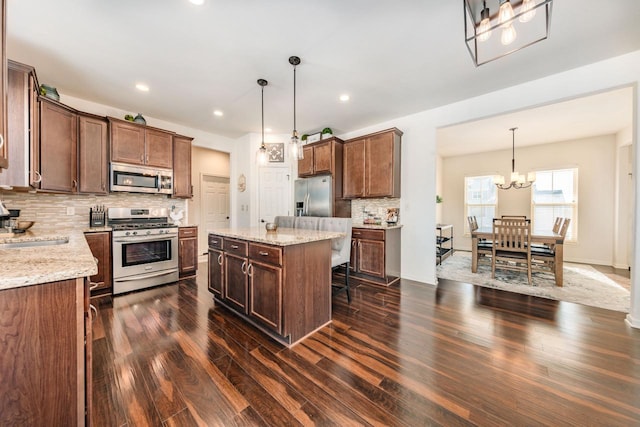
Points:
(182, 187)
(375, 255)
(372, 165)
(93, 160)
(140, 145)
(188, 251)
(100, 245)
(58, 147)
(22, 127)
(45, 371)
(265, 285)
(236, 261)
(4, 143)
(216, 270)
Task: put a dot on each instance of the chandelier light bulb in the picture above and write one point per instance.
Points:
(528, 10)
(505, 14)
(484, 29)
(261, 157)
(508, 35)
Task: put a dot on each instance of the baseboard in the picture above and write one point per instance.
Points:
(631, 321)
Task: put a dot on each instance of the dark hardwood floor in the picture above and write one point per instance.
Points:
(409, 355)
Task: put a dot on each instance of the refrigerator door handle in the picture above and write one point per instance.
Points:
(306, 205)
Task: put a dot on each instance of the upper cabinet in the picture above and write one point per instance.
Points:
(4, 143)
(372, 165)
(322, 157)
(58, 147)
(23, 127)
(182, 186)
(140, 145)
(93, 147)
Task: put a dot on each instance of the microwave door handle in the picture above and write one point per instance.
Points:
(159, 181)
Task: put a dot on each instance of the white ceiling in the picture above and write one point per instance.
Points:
(393, 57)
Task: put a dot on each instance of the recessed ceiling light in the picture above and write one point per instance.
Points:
(197, 2)
(142, 87)
(267, 129)
(218, 113)
(344, 97)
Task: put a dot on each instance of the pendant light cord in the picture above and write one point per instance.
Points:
(513, 149)
(294, 101)
(262, 116)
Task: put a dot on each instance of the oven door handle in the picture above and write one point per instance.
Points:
(137, 239)
(146, 276)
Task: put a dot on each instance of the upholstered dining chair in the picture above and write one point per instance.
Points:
(511, 249)
(340, 249)
(285, 221)
(306, 222)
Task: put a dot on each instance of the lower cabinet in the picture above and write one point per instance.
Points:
(45, 370)
(188, 251)
(285, 291)
(100, 245)
(375, 255)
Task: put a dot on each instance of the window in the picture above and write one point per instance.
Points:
(480, 200)
(555, 194)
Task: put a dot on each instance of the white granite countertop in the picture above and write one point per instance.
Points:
(383, 226)
(281, 237)
(34, 265)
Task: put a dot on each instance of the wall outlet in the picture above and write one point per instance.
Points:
(71, 211)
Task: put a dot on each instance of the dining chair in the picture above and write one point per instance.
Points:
(340, 249)
(511, 249)
(543, 257)
(483, 248)
(557, 224)
(285, 221)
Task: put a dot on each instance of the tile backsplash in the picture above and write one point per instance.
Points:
(378, 207)
(49, 211)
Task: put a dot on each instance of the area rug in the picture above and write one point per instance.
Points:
(582, 283)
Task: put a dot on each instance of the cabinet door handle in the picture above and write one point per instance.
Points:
(220, 259)
(1, 140)
(75, 183)
(215, 242)
(95, 311)
(141, 158)
(38, 177)
(263, 253)
(356, 233)
(250, 270)
(147, 159)
(93, 285)
(244, 263)
(234, 246)
(103, 186)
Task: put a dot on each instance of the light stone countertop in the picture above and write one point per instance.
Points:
(48, 263)
(281, 237)
(382, 226)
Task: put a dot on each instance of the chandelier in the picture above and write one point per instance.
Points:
(521, 24)
(517, 180)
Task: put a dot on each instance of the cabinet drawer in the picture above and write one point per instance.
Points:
(365, 233)
(215, 242)
(264, 253)
(236, 247)
(187, 232)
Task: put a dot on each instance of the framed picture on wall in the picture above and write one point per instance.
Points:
(275, 151)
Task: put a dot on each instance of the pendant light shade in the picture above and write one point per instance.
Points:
(261, 156)
(295, 145)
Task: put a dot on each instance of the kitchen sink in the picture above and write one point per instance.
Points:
(33, 243)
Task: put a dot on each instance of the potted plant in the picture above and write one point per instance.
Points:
(438, 199)
(326, 133)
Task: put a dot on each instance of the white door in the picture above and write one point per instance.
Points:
(274, 192)
(214, 207)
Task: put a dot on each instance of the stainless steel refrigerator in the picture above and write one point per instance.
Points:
(314, 196)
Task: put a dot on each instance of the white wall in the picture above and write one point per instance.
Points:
(595, 159)
(419, 151)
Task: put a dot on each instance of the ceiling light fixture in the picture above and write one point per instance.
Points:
(197, 2)
(218, 113)
(519, 23)
(262, 151)
(344, 98)
(517, 180)
(142, 87)
(295, 145)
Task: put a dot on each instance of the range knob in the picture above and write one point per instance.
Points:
(160, 231)
(135, 232)
(127, 233)
(148, 231)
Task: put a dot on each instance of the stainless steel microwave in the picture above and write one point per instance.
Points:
(141, 179)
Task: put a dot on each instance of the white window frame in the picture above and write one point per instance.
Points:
(482, 205)
(572, 233)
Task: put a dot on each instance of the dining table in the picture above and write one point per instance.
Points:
(544, 237)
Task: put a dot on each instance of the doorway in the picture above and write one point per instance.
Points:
(274, 193)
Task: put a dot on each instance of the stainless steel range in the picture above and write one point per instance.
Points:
(145, 248)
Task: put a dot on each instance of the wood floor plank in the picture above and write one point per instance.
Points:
(410, 354)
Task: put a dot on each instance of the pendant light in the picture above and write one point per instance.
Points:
(261, 157)
(484, 29)
(295, 145)
(517, 180)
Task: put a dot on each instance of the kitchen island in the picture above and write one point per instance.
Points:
(279, 281)
(45, 361)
